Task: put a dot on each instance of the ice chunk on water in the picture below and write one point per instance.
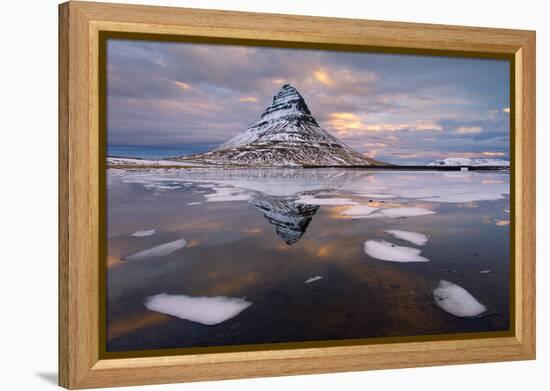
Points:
(141, 234)
(226, 194)
(456, 300)
(406, 212)
(313, 279)
(311, 200)
(376, 195)
(158, 251)
(156, 186)
(412, 237)
(205, 310)
(386, 251)
(359, 211)
(226, 197)
(193, 203)
(467, 197)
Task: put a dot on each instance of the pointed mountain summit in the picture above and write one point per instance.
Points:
(286, 135)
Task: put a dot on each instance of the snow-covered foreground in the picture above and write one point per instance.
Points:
(205, 310)
(326, 186)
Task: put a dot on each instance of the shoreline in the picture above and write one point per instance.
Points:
(378, 168)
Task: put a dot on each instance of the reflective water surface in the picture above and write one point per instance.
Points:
(211, 257)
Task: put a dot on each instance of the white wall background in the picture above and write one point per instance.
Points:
(28, 174)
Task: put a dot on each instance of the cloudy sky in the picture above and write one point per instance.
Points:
(176, 98)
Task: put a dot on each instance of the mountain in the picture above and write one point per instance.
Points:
(289, 218)
(286, 135)
(466, 162)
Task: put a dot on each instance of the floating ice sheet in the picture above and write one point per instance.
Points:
(456, 300)
(226, 197)
(413, 237)
(310, 200)
(386, 251)
(376, 195)
(141, 234)
(359, 211)
(406, 212)
(466, 197)
(313, 279)
(205, 310)
(193, 203)
(158, 251)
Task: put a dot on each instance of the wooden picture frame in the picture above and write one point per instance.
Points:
(80, 186)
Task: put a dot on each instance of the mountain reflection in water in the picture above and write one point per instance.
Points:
(289, 218)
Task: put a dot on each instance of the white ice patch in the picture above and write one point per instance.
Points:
(158, 251)
(313, 279)
(467, 197)
(456, 300)
(311, 200)
(406, 212)
(205, 310)
(412, 237)
(359, 211)
(193, 203)
(141, 234)
(386, 251)
(228, 197)
(376, 195)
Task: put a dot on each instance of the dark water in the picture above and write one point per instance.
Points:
(264, 248)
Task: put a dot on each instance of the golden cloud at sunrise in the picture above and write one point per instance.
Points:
(322, 76)
(248, 99)
(182, 85)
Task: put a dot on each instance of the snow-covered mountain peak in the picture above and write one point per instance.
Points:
(287, 103)
(285, 135)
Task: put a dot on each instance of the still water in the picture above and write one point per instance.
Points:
(281, 254)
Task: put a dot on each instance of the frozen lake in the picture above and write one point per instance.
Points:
(213, 257)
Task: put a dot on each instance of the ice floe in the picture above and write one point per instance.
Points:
(205, 310)
(193, 203)
(431, 186)
(141, 234)
(313, 279)
(456, 300)
(226, 197)
(376, 195)
(406, 212)
(413, 237)
(311, 200)
(466, 197)
(157, 251)
(156, 186)
(386, 251)
(225, 194)
(359, 211)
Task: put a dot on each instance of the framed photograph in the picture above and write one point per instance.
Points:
(247, 195)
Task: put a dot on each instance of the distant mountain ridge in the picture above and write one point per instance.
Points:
(286, 135)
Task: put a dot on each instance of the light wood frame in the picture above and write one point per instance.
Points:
(80, 24)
